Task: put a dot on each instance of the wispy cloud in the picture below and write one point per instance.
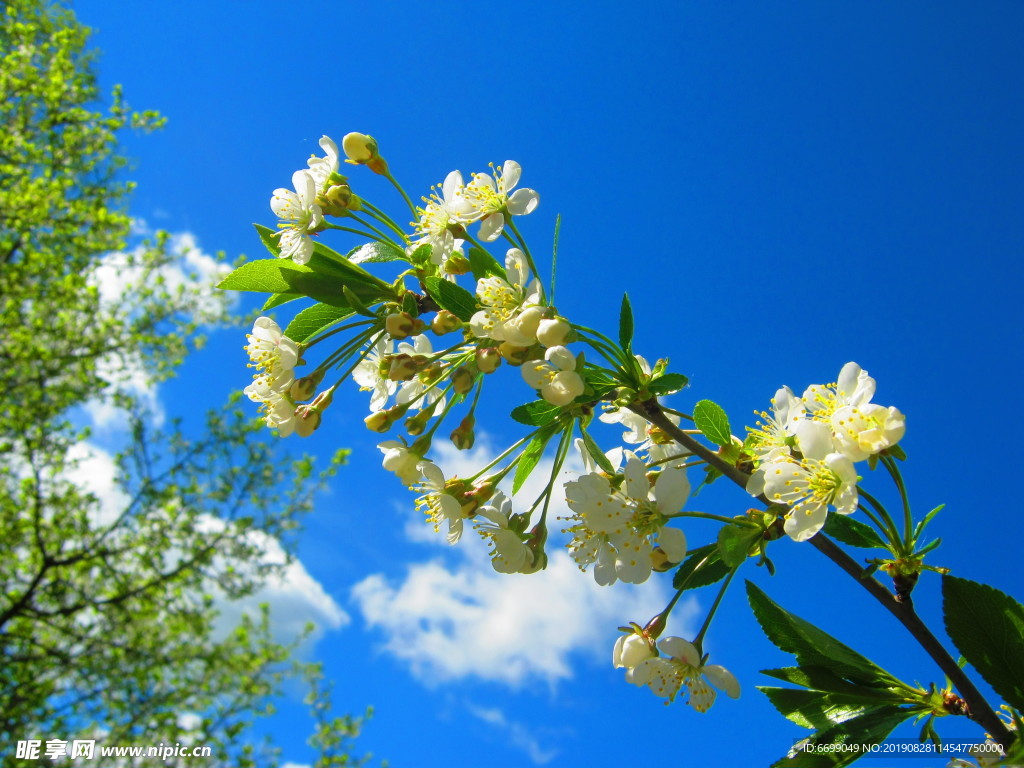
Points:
(518, 735)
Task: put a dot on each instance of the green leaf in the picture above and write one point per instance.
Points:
(327, 261)
(269, 239)
(734, 543)
(263, 275)
(277, 299)
(987, 627)
(312, 320)
(625, 324)
(853, 532)
(822, 679)
(452, 297)
(595, 452)
(530, 457)
(712, 421)
(482, 264)
(536, 414)
(667, 384)
(810, 645)
(870, 728)
(814, 709)
(687, 576)
(919, 529)
(375, 252)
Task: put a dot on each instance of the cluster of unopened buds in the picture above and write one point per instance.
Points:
(422, 346)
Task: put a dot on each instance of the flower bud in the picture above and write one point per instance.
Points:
(309, 420)
(463, 380)
(303, 389)
(523, 328)
(381, 421)
(463, 436)
(338, 200)
(660, 561)
(361, 149)
(488, 359)
(415, 424)
(445, 322)
(513, 354)
(401, 324)
(378, 422)
(553, 332)
(402, 367)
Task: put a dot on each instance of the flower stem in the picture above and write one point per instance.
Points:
(398, 186)
(699, 639)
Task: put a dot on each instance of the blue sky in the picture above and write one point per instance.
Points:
(780, 188)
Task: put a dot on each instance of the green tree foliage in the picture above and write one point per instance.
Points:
(107, 616)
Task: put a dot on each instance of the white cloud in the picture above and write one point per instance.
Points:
(518, 735)
(294, 597)
(118, 277)
(95, 472)
(296, 765)
(465, 620)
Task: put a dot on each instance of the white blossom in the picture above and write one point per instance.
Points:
(437, 504)
(509, 553)
(681, 665)
(491, 200)
(613, 527)
(371, 373)
(321, 168)
(556, 378)
(440, 214)
(504, 300)
(299, 217)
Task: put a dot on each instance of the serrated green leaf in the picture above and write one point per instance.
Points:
(482, 264)
(595, 452)
(870, 728)
(822, 679)
(312, 320)
(277, 299)
(536, 414)
(626, 324)
(812, 708)
(687, 575)
(987, 627)
(375, 252)
(530, 458)
(667, 384)
(409, 304)
(811, 646)
(262, 276)
(452, 297)
(712, 421)
(852, 532)
(734, 543)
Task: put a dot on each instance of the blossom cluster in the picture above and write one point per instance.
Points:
(805, 451)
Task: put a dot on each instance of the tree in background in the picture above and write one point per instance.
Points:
(108, 605)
